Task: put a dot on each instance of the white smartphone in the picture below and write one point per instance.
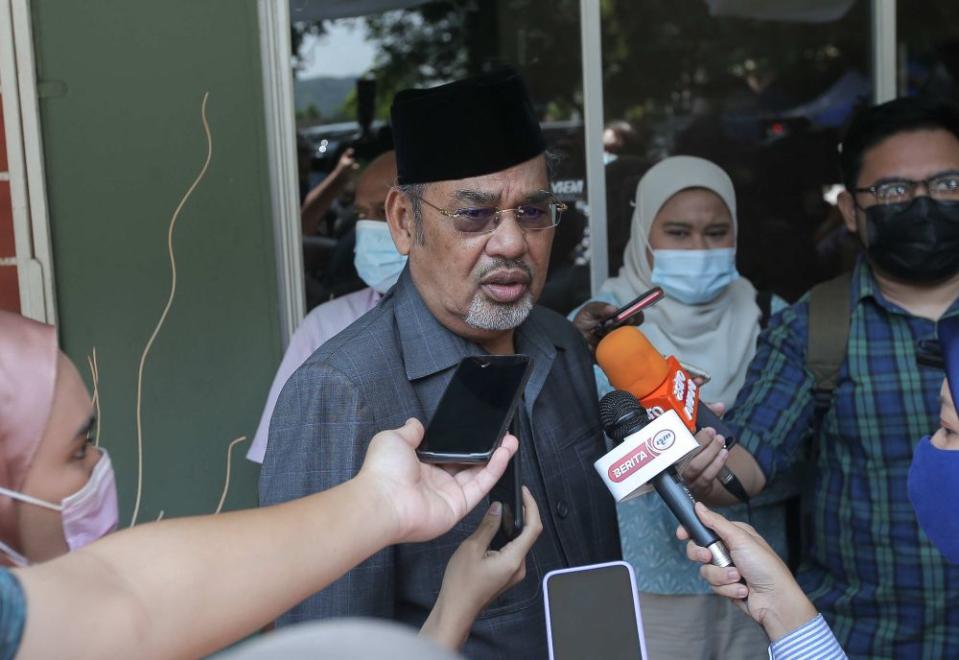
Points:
(593, 612)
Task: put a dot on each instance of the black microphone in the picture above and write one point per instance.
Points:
(622, 416)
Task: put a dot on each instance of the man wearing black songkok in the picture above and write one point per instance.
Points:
(473, 211)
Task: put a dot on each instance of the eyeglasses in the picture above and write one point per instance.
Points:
(485, 219)
(943, 187)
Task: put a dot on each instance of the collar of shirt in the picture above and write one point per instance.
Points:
(864, 285)
(429, 347)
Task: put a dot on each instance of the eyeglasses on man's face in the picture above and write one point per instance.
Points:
(485, 219)
(942, 187)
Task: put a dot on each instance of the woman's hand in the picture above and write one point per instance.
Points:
(770, 596)
(594, 313)
(476, 575)
(426, 500)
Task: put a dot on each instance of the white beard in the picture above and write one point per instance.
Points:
(488, 315)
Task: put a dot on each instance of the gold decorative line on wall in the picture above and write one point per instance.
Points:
(169, 303)
(226, 482)
(95, 377)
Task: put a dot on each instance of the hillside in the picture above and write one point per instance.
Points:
(325, 94)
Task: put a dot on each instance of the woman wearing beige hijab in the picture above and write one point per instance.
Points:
(683, 239)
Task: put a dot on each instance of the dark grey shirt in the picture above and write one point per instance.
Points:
(394, 363)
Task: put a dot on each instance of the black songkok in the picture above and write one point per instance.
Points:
(466, 128)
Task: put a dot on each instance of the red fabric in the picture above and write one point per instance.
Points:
(9, 288)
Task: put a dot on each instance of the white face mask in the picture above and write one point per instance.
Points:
(88, 514)
(376, 258)
(694, 277)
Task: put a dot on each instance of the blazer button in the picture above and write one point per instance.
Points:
(562, 509)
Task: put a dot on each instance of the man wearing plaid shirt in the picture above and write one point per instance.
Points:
(884, 588)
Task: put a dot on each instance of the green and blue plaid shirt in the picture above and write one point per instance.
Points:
(884, 588)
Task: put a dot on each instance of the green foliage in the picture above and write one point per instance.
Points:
(659, 56)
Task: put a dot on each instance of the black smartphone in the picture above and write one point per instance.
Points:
(628, 311)
(593, 612)
(509, 492)
(475, 409)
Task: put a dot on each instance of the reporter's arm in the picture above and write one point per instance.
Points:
(811, 641)
(187, 587)
(319, 200)
(774, 411)
(476, 575)
(770, 596)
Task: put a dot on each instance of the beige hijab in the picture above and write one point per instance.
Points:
(718, 336)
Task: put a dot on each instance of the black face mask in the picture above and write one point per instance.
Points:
(916, 241)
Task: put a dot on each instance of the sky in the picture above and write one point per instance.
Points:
(341, 52)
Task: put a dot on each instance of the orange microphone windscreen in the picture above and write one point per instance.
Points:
(630, 362)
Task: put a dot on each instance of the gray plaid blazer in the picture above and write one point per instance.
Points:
(394, 363)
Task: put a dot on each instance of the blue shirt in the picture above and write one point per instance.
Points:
(13, 614)
(810, 641)
(647, 528)
(868, 567)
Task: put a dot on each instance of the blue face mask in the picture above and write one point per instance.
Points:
(694, 277)
(933, 491)
(376, 258)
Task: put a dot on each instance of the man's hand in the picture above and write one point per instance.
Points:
(770, 596)
(700, 471)
(426, 500)
(476, 575)
(347, 162)
(594, 313)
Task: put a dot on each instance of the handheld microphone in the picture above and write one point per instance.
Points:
(634, 365)
(646, 451)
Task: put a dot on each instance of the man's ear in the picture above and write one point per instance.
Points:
(400, 218)
(847, 206)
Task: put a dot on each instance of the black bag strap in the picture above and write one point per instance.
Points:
(764, 300)
(829, 318)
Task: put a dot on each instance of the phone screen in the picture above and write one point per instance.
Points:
(629, 310)
(477, 405)
(592, 613)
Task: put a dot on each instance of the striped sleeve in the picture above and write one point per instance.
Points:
(812, 640)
